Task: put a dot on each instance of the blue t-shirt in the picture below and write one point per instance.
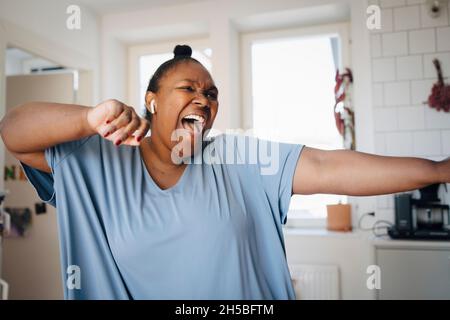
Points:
(216, 234)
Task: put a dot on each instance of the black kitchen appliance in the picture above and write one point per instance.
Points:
(425, 218)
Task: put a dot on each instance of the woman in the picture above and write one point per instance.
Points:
(139, 221)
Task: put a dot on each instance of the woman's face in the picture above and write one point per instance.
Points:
(186, 105)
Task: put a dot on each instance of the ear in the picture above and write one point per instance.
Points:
(149, 96)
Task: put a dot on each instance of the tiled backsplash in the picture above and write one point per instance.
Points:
(402, 77)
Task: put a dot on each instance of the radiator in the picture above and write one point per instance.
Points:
(315, 282)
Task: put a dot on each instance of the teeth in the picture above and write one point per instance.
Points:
(195, 117)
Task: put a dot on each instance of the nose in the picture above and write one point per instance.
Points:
(201, 100)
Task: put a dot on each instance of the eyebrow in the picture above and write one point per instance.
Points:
(213, 87)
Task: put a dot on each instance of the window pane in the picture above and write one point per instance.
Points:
(293, 99)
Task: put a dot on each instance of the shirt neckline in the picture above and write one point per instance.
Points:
(155, 186)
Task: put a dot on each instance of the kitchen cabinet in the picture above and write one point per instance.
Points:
(413, 269)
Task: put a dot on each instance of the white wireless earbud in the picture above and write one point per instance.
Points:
(152, 106)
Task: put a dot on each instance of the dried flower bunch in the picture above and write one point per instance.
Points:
(439, 98)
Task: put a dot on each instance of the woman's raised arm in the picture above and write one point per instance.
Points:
(29, 129)
(34, 126)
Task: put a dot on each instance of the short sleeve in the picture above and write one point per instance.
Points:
(43, 182)
(273, 163)
(277, 163)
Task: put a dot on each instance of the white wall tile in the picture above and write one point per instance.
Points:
(427, 143)
(406, 18)
(385, 119)
(385, 214)
(411, 118)
(377, 95)
(436, 119)
(428, 21)
(383, 69)
(443, 39)
(420, 90)
(399, 144)
(376, 45)
(392, 3)
(410, 2)
(409, 67)
(429, 69)
(395, 44)
(380, 143)
(445, 137)
(422, 41)
(397, 93)
(387, 23)
(434, 158)
(385, 201)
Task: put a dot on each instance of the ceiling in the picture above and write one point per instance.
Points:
(114, 6)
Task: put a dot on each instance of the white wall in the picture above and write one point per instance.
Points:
(403, 74)
(47, 19)
(13, 65)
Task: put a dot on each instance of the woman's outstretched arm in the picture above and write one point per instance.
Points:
(356, 173)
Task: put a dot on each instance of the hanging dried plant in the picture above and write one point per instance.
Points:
(343, 108)
(439, 98)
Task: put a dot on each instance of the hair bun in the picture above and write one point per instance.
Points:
(182, 51)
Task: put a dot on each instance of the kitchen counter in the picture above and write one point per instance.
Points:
(388, 243)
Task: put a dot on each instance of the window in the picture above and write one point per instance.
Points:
(291, 85)
(144, 60)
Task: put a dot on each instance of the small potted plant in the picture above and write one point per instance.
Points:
(339, 217)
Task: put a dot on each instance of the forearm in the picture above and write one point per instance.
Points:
(36, 126)
(362, 174)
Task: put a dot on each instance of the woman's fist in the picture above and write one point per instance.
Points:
(117, 122)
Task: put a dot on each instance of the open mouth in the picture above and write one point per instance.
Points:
(193, 122)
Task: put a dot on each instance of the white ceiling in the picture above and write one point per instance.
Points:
(110, 6)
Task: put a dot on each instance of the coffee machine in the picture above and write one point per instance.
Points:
(425, 218)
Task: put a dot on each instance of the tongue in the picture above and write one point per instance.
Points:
(198, 126)
(195, 126)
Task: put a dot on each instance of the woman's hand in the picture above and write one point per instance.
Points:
(117, 122)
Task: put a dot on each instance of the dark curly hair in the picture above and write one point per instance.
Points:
(182, 53)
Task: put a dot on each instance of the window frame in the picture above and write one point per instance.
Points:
(342, 30)
(136, 51)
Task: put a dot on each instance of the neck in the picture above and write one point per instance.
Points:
(158, 156)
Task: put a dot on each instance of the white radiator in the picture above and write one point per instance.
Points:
(315, 282)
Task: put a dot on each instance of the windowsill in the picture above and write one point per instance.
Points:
(319, 232)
